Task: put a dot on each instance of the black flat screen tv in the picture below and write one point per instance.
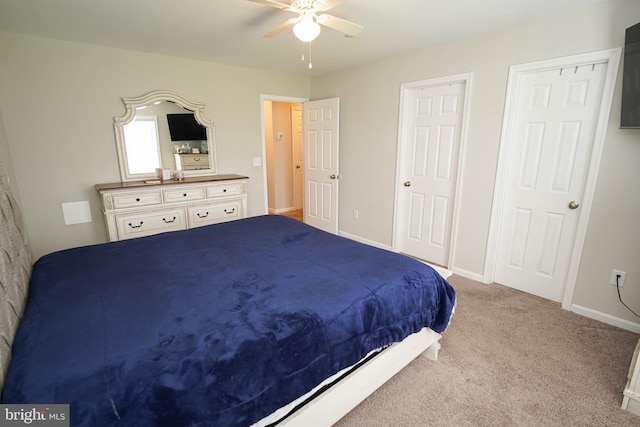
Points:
(184, 127)
(630, 112)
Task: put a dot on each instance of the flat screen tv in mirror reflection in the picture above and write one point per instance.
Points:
(184, 127)
(630, 112)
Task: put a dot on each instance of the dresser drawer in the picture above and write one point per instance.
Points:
(196, 161)
(142, 198)
(213, 213)
(183, 194)
(192, 161)
(223, 190)
(148, 223)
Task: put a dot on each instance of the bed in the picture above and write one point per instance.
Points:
(232, 324)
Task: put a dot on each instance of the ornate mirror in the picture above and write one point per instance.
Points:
(164, 130)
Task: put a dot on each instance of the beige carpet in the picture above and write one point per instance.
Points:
(509, 359)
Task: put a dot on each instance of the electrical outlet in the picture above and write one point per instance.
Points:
(615, 280)
(356, 214)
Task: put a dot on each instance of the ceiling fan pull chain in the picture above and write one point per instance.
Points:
(310, 64)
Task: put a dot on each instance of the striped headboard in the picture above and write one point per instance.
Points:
(15, 270)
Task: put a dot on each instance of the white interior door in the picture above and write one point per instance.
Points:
(551, 141)
(320, 140)
(298, 162)
(431, 122)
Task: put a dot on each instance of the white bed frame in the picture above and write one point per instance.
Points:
(354, 386)
(357, 385)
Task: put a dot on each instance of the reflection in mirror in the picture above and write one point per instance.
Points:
(164, 129)
(142, 145)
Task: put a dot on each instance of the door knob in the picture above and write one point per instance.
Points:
(297, 166)
(407, 183)
(332, 177)
(573, 204)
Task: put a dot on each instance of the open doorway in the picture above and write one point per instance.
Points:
(283, 157)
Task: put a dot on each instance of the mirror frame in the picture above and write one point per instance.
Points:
(131, 104)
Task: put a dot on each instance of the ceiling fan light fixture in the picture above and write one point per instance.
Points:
(307, 29)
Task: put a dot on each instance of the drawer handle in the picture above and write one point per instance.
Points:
(229, 213)
(184, 195)
(137, 199)
(196, 159)
(136, 226)
(169, 221)
(224, 191)
(202, 216)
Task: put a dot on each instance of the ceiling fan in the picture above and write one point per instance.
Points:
(306, 26)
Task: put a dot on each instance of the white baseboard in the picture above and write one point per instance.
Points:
(365, 241)
(606, 318)
(443, 271)
(469, 274)
(279, 211)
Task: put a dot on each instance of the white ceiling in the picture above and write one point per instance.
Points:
(230, 31)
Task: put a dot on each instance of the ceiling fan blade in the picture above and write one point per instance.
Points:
(282, 27)
(273, 3)
(349, 28)
(330, 4)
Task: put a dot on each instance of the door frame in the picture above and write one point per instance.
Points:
(405, 88)
(612, 58)
(273, 98)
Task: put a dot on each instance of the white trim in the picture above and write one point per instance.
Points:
(464, 128)
(365, 241)
(612, 58)
(467, 79)
(606, 318)
(272, 98)
(469, 275)
(281, 211)
(444, 272)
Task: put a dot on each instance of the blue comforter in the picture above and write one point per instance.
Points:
(219, 325)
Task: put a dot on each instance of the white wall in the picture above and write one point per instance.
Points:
(268, 149)
(369, 108)
(58, 100)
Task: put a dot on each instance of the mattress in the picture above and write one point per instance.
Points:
(218, 325)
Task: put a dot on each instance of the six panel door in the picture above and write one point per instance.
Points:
(551, 143)
(431, 144)
(321, 164)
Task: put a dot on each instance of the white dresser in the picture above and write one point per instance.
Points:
(135, 209)
(185, 161)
